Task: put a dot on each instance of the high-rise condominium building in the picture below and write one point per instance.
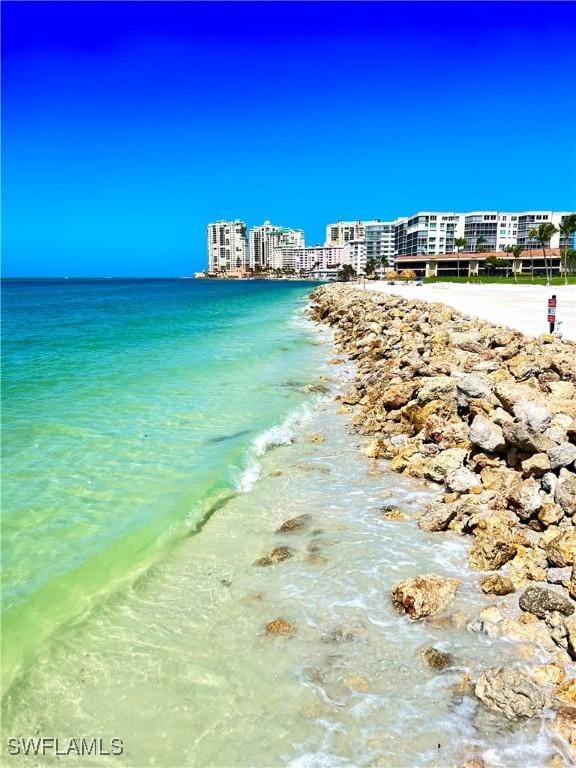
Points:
(434, 232)
(269, 243)
(427, 232)
(528, 220)
(343, 232)
(227, 248)
(354, 254)
(379, 239)
(318, 261)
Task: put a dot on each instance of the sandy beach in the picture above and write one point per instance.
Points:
(522, 308)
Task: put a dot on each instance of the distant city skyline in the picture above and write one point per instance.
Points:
(129, 126)
(236, 250)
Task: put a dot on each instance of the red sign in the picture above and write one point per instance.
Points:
(552, 310)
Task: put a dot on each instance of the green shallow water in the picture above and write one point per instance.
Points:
(129, 409)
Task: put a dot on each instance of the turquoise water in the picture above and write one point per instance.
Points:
(130, 409)
(156, 436)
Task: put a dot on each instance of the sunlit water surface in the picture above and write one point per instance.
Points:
(178, 665)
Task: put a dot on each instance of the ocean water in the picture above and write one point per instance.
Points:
(129, 410)
(157, 637)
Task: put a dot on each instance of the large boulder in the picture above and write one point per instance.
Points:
(471, 341)
(536, 465)
(437, 467)
(436, 388)
(351, 396)
(489, 554)
(533, 414)
(437, 516)
(486, 435)
(424, 595)
(474, 385)
(541, 601)
(565, 491)
(510, 692)
(524, 496)
(462, 480)
(496, 584)
(397, 395)
(522, 436)
(561, 550)
(562, 390)
(562, 455)
(509, 393)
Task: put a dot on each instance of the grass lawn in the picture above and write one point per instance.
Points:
(521, 280)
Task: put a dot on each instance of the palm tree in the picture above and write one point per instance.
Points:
(545, 232)
(346, 273)
(567, 229)
(533, 235)
(459, 242)
(383, 263)
(516, 251)
(490, 264)
(370, 267)
(480, 243)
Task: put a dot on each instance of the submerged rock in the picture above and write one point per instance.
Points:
(436, 659)
(337, 635)
(280, 626)
(295, 524)
(391, 513)
(278, 555)
(510, 692)
(424, 595)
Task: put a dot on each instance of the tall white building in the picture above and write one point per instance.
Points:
(528, 220)
(343, 232)
(227, 248)
(495, 231)
(319, 261)
(428, 232)
(434, 232)
(268, 244)
(379, 239)
(355, 255)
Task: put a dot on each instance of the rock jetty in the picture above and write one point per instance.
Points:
(490, 414)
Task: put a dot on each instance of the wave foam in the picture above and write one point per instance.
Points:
(273, 437)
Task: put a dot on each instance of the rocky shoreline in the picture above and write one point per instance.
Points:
(490, 414)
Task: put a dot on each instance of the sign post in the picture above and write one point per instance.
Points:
(552, 312)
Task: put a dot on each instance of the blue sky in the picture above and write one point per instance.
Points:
(127, 127)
